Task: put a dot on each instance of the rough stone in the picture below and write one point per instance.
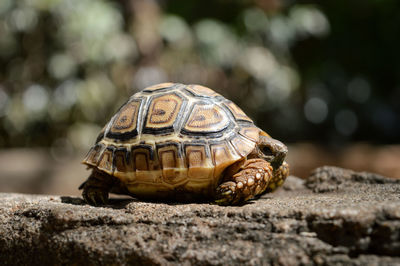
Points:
(336, 217)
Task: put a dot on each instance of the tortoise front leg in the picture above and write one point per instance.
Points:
(96, 188)
(251, 180)
(279, 176)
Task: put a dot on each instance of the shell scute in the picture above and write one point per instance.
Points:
(105, 162)
(251, 133)
(172, 163)
(143, 158)
(198, 161)
(242, 145)
(121, 160)
(201, 91)
(158, 87)
(206, 118)
(94, 154)
(223, 155)
(237, 112)
(124, 124)
(163, 112)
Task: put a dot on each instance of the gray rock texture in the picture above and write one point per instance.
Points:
(336, 217)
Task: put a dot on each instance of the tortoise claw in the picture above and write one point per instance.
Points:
(220, 202)
(95, 196)
(225, 193)
(92, 198)
(103, 197)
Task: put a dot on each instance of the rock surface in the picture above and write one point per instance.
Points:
(336, 217)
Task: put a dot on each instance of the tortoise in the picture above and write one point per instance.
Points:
(183, 143)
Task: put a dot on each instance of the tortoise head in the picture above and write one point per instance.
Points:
(271, 150)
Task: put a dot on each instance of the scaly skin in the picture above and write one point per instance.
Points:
(253, 179)
(279, 177)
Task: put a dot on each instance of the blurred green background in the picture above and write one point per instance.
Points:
(322, 73)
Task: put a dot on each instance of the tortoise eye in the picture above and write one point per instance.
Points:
(266, 151)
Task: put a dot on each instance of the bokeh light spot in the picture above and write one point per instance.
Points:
(309, 20)
(81, 135)
(61, 149)
(259, 62)
(346, 122)
(23, 19)
(65, 95)
(316, 110)
(61, 66)
(282, 31)
(147, 76)
(219, 43)
(121, 46)
(35, 98)
(255, 19)
(173, 28)
(3, 101)
(359, 90)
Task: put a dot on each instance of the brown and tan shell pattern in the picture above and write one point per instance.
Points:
(173, 136)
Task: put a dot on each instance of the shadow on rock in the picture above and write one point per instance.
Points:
(72, 200)
(121, 203)
(118, 203)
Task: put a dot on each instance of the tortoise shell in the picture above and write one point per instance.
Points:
(173, 136)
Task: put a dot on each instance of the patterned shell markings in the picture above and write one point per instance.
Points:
(172, 126)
